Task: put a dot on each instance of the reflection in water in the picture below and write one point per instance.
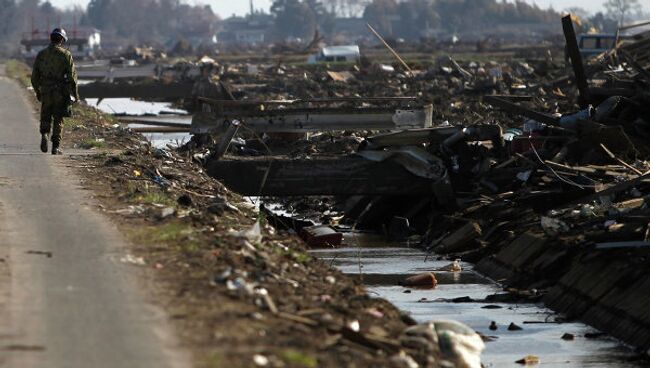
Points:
(384, 265)
(127, 106)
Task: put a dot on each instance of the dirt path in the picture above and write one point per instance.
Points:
(66, 300)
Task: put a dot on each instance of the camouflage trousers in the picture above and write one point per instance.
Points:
(53, 109)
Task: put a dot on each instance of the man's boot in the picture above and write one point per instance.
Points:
(56, 150)
(44, 139)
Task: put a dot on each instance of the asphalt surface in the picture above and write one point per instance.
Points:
(66, 299)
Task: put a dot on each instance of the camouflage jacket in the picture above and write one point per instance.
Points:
(53, 70)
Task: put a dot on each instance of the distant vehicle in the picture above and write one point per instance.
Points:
(350, 53)
(595, 44)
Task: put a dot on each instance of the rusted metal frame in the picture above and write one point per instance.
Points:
(304, 101)
(310, 120)
(306, 110)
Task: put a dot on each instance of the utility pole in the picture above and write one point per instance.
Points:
(252, 8)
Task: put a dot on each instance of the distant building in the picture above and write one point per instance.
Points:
(82, 43)
(254, 29)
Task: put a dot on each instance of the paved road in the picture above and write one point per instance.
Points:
(81, 307)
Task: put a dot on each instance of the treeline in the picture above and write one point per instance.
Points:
(20, 18)
(159, 21)
(453, 16)
(408, 18)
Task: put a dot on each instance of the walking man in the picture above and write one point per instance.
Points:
(54, 79)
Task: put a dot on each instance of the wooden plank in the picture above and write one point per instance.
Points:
(347, 175)
(638, 67)
(618, 188)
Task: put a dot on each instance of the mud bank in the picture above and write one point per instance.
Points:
(608, 289)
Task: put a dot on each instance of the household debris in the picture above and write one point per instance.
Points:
(425, 280)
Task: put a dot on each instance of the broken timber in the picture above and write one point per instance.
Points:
(348, 175)
(506, 105)
(576, 60)
(311, 119)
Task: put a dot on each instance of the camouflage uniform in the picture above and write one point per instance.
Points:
(54, 79)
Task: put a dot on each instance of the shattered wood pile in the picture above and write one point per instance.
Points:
(565, 211)
(319, 100)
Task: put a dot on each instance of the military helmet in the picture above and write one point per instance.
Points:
(60, 32)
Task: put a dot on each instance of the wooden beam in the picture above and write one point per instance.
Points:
(517, 109)
(224, 143)
(399, 58)
(161, 129)
(346, 175)
(576, 61)
(128, 90)
(155, 123)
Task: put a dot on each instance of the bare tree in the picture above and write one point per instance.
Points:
(619, 9)
(346, 8)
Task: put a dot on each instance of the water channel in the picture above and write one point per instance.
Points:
(126, 106)
(382, 265)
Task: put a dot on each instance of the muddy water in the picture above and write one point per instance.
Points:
(127, 106)
(382, 267)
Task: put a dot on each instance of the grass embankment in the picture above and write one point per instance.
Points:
(19, 71)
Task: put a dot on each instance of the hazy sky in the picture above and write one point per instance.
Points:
(226, 8)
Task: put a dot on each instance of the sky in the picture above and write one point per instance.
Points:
(225, 8)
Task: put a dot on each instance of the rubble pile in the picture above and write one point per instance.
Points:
(564, 173)
(451, 88)
(563, 207)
